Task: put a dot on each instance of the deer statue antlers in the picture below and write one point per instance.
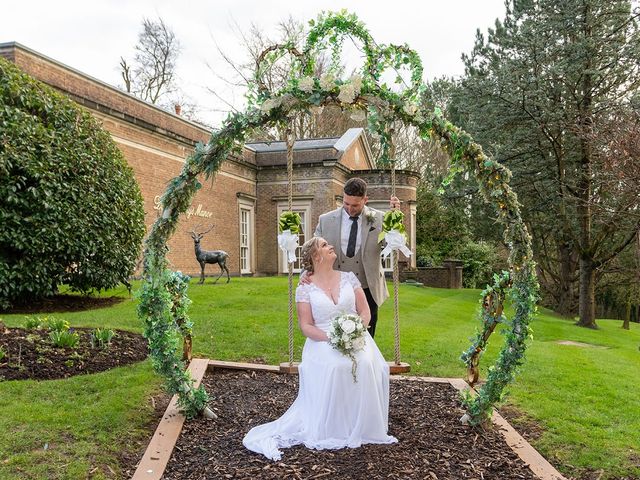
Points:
(194, 233)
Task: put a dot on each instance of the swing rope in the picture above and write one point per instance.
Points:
(394, 255)
(290, 140)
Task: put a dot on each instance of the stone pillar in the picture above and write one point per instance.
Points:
(455, 272)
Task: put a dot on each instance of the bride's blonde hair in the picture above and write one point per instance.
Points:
(309, 250)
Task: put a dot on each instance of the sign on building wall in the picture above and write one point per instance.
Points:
(191, 211)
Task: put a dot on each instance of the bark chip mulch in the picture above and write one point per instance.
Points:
(65, 303)
(423, 416)
(29, 354)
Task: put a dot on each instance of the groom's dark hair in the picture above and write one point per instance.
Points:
(356, 187)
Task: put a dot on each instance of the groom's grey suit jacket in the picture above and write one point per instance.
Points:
(329, 227)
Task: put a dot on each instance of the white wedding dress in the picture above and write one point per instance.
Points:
(331, 411)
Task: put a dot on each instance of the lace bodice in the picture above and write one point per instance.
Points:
(322, 307)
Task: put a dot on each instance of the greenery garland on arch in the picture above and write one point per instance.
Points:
(359, 94)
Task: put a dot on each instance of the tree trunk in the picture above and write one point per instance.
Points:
(566, 294)
(627, 315)
(587, 304)
(584, 190)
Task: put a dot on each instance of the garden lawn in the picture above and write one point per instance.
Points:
(583, 398)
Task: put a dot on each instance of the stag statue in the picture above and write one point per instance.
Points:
(209, 256)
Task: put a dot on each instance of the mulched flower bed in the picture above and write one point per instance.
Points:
(423, 416)
(65, 303)
(31, 355)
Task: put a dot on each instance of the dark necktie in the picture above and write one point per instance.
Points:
(353, 234)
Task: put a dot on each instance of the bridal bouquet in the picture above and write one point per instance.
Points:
(346, 335)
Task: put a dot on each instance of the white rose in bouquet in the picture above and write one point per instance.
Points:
(358, 343)
(348, 326)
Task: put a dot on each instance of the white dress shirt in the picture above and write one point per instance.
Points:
(346, 230)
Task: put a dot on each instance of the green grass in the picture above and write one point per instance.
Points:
(584, 399)
(64, 429)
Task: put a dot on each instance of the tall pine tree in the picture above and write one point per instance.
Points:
(534, 93)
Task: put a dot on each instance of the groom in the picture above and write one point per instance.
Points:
(353, 232)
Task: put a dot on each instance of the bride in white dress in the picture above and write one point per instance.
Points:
(331, 410)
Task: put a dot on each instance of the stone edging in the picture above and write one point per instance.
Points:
(157, 455)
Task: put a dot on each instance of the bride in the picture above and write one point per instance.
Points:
(331, 410)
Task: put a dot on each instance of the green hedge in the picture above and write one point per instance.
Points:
(480, 260)
(71, 211)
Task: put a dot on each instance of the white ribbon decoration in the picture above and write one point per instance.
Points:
(288, 243)
(395, 241)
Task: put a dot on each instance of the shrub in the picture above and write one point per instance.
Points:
(70, 209)
(425, 256)
(101, 338)
(64, 338)
(480, 260)
(2, 354)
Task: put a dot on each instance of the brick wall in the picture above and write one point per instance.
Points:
(447, 276)
(156, 143)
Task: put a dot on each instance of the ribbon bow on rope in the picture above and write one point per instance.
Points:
(288, 243)
(395, 241)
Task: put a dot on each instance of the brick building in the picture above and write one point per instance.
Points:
(248, 193)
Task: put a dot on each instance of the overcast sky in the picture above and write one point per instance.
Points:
(92, 35)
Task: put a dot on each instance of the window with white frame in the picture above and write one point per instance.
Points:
(246, 225)
(245, 248)
(304, 210)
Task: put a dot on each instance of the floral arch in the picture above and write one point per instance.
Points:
(163, 299)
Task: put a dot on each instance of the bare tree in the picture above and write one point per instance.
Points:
(152, 76)
(321, 123)
(412, 152)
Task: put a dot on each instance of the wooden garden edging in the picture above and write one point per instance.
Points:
(156, 457)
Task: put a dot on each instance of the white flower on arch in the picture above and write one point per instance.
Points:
(269, 104)
(327, 82)
(347, 93)
(306, 84)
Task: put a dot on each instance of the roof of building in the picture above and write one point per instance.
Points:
(340, 144)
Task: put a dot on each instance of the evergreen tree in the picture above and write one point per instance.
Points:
(535, 93)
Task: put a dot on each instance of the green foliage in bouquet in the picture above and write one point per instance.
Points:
(290, 221)
(393, 220)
